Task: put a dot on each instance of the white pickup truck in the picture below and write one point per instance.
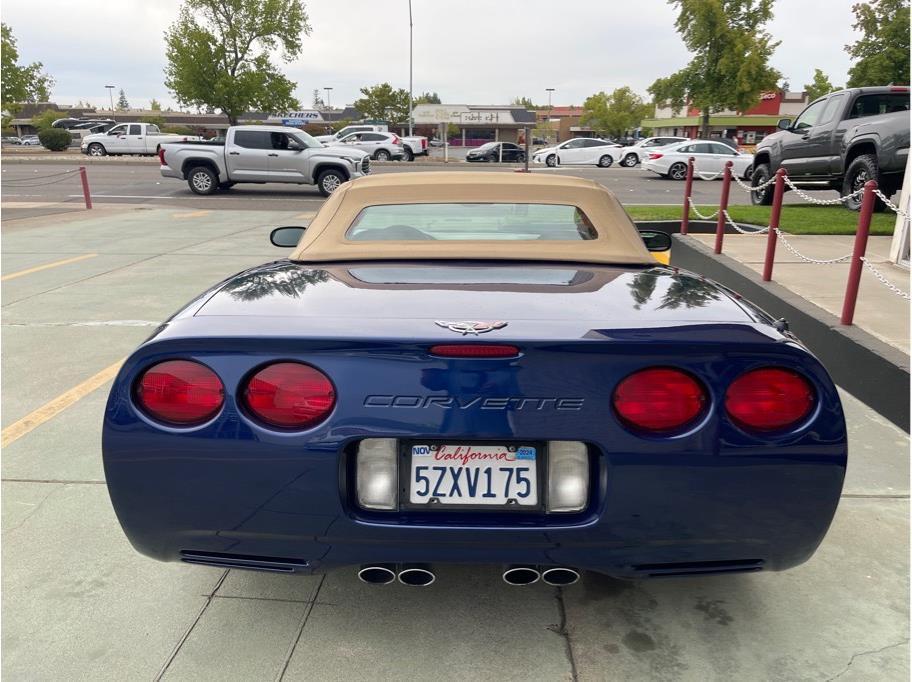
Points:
(414, 145)
(261, 154)
(130, 138)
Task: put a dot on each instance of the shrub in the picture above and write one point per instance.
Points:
(178, 130)
(55, 139)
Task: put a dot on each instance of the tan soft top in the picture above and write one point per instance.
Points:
(618, 241)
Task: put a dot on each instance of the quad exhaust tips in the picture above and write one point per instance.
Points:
(560, 576)
(521, 575)
(416, 575)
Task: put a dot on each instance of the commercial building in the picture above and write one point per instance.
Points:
(470, 125)
(748, 127)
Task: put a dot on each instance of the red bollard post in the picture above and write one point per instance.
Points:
(723, 205)
(861, 243)
(778, 193)
(688, 184)
(85, 187)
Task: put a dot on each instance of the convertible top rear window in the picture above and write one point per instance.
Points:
(471, 221)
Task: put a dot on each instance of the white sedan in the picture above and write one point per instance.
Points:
(639, 152)
(709, 160)
(582, 151)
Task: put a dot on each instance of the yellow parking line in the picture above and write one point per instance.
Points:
(38, 268)
(48, 411)
(192, 214)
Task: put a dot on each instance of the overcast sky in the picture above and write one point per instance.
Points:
(470, 52)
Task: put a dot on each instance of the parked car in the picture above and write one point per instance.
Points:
(130, 138)
(590, 151)
(709, 158)
(261, 154)
(348, 130)
(844, 139)
(480, 368)
(497, 151)
(11, 139)
(380, 146)
(30, 141)
(413, 145)
(639, 152)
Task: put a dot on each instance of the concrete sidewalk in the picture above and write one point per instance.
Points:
(879, 311)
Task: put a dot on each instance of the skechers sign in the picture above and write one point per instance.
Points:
(297, 118)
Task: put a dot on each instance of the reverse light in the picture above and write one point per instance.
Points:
(474, 350)
(659, 399)
(180, 392)
(655, 155)
(377, 479)
(289, 395)
(769, 399)
(568, 476)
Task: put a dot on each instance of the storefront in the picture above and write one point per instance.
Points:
(470, 125)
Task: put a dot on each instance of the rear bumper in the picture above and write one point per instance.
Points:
(168, 172)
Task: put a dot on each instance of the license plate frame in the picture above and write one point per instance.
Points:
(405, 476)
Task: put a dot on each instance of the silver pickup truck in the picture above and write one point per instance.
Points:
(261, 154)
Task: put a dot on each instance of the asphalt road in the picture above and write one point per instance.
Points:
(25, 194)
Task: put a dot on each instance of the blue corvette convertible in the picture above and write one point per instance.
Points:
(477, 368)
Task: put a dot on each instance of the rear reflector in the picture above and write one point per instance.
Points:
(769, 399)
(180, 392)
(659, 399)
(477, 350)
(290, 395)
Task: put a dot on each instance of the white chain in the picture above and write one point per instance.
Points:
(893, 207)
(883, 280)
(710, 177)
(693, 207)
(820, 202)
(807, 259)
(738, 228)
(749, 188)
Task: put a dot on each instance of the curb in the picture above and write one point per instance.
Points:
(873, 371)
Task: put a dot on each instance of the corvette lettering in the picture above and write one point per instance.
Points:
(479, 403)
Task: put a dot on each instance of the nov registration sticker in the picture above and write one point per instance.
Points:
(462, 474)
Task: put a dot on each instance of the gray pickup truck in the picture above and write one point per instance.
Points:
(841, 140)
(261, 154)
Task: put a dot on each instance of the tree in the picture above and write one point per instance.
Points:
(428, 98)
(819, 87)
(45, 120)
(731, 51)
(122, 103)
(155, 105)
(20, 83)
(883, 50)
(524, 102)
(616, 113)
(219, 52)
(382, 103)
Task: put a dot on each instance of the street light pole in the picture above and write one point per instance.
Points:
(410, 69)
(328, 105)
(549, 91)
(111, 95)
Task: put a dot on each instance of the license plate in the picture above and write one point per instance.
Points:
(477, 475)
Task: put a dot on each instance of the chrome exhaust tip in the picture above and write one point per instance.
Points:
(521, 575)
(560, 576)
(381, 574)
(416, 575)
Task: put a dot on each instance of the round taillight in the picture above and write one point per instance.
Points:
(180, 392)
(769, 399)
(290, 395)
(659, 399)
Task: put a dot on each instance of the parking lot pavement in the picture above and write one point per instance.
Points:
(78, 602)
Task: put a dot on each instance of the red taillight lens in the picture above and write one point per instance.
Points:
(424, 143)
(395, 139)
(659, 399)
(161, 156)
(180, 392)
(290, 395)
(477, 350)
(769, 399)
(655, 155)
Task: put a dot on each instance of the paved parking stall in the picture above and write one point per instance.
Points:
(79, 603)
